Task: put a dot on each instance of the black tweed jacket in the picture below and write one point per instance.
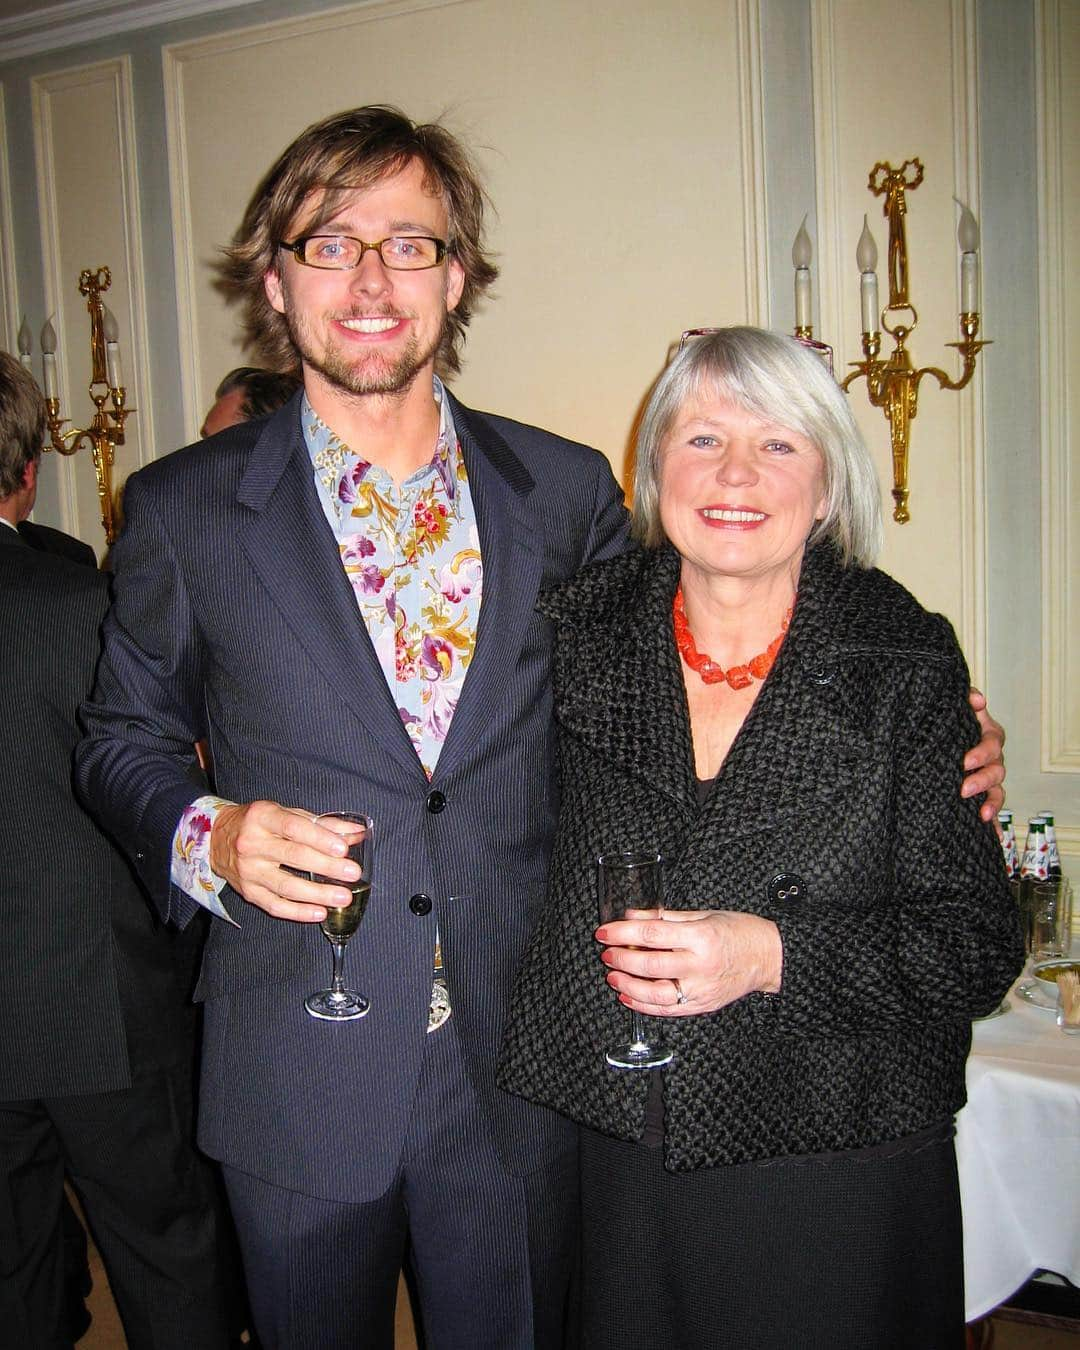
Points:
(845, 776)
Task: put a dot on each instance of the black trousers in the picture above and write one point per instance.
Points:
(148, 1198)
(488, 1256)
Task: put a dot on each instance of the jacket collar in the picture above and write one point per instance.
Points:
(293, 553)
(620, 688)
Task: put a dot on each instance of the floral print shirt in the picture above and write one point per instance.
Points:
(412, 555)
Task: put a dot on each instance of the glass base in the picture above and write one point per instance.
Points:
(638, 1055)
(337, 1007)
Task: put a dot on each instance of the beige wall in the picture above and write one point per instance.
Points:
(642, 124)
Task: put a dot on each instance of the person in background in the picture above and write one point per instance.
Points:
(246, 393)
(748, 697)
(97, 1051)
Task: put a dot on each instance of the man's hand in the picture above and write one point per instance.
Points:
(252, 845)
(984, 764)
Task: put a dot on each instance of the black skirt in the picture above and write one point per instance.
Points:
(850, 1251)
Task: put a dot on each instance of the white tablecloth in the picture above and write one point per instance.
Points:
(1018, 1150)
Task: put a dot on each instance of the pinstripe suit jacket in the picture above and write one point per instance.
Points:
(88, 985)
(233, 618)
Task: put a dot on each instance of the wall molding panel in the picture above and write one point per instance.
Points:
(1059, 466)
(972, 457)
(752, 156)
(829, 266)
(87, 182)
(10, 316)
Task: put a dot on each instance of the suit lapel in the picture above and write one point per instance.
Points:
(624, 697)
(623, 694)
(511, 548)
(292, 551)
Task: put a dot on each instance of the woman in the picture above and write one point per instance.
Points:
(748, 697)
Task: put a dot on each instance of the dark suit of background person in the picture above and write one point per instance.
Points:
(45, 539)
(77, 1279)
(95, 1061)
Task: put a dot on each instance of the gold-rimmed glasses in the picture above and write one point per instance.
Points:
(343, 253)
(821, 349)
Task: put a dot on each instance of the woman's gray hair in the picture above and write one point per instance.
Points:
(778, 379)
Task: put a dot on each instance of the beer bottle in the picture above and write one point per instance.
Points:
(1033, 867)
(1008, 844)
(1053, 857)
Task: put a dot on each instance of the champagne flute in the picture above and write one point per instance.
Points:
(631, 882)
(338, 1004)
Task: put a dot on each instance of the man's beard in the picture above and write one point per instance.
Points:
(368, 373)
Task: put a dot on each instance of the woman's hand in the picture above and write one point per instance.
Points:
(686, 962)
(984, 764)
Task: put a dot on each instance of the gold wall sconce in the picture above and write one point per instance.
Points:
(892, 382)
(106, 429)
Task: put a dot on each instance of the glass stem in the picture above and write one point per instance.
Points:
(637, 1029)
(337, 983)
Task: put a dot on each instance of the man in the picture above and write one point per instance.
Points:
(308, 591)
(97, 1050)
(308, 597)
(246, 393)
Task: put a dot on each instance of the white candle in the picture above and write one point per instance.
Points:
(801, 253)
(967, 236)
(969, 283)
(26, 343)
(114, 373)
(48, 358)
(866, 257)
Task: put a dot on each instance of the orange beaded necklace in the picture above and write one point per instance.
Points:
(737, 676)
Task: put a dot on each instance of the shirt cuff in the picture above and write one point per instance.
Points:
(191, 870)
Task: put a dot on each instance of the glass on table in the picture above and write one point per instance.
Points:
(1050, 936)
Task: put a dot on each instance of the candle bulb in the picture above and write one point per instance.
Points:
(967, 236)
(866, 258)
(112, 350)
(26, 343)
(48, 358)
(801, 253)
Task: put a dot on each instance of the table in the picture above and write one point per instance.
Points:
(1018, 1152)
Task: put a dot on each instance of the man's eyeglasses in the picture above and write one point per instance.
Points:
(821, 349)
(341, 253)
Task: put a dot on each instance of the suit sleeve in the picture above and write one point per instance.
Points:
(943, 943)
(609, 523)
(135, 766)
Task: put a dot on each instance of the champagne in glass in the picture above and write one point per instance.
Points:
(632, 882)
(338, 1004)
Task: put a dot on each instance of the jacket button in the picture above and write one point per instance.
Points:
(420, 904)
(436, 802)
(786, 887)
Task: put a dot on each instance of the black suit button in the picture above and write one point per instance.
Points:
(787, 887)
(436, 802)
(420, 904)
